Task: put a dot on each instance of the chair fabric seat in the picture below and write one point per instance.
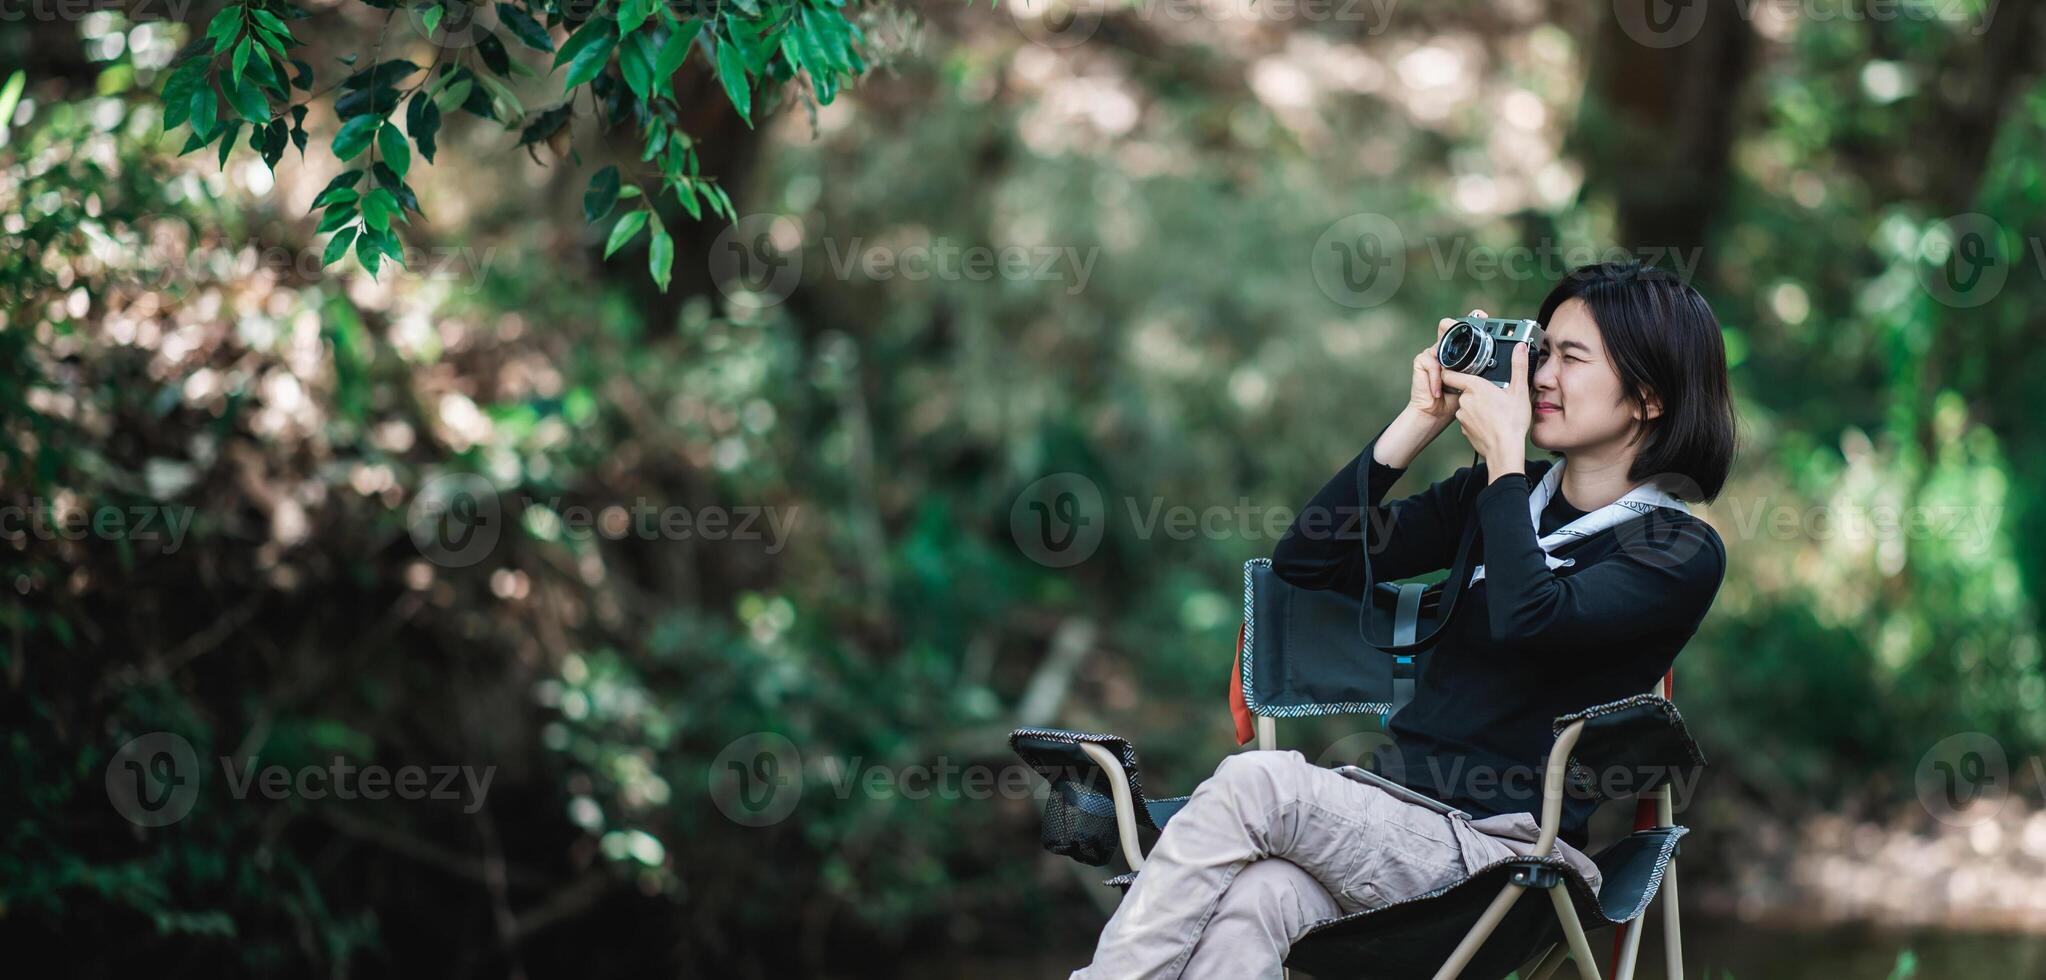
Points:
(1412, 938)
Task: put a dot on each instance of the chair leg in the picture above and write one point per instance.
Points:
(1548, 964)
(1540, 962)
(1573, 930)
(1672, 933)
(1630, 948)
(1480, 931)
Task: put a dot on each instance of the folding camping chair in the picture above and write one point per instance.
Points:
(1481, 927)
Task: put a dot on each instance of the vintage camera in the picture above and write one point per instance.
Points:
(1479, 345)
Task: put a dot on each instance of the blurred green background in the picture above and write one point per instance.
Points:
(1101, 244)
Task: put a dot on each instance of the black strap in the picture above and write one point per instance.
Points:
(1403, 640)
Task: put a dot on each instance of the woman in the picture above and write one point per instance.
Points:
(1630, 391)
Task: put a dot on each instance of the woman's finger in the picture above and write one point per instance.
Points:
(1462, 380)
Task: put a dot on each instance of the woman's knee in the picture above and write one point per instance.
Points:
(1263, 765)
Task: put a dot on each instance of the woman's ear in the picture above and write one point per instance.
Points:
(1651, 404)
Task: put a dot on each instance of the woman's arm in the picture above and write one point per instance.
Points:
(1325, 547)
(1661, 576)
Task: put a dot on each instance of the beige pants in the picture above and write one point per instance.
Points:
(1271, 845)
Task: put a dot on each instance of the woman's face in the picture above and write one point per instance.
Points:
(1579, 401)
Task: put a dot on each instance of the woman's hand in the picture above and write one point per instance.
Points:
(1496, 419)
(1425, 395)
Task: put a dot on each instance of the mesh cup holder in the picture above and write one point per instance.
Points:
(1079, 824)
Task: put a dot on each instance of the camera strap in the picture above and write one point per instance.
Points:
(1403, 640)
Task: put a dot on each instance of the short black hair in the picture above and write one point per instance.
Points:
(1663, 337)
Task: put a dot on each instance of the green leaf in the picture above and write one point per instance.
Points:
(601, 196)
(431, 19)
(632, 13)
(685, 191)
(422, 120)
(397, 153)
(732, 72)
(338, 195)
(636, 62)
(336, 216)
(589, 61)
(674, 52)
(205, 109)
(10, 96)
(495, 57)
(374, 101)
(369, 252)
(272, 23)
(177, 93)
(660, 258)
(241, 56)
(225, 27)
(337, 248)
(249, 102)
(346, 178)
(595, 30)
(355, 135)
(523, 27)
(234, 129)
(377, 209)
(276, 137)
(451, 98)
(628, 225)
(381, 74)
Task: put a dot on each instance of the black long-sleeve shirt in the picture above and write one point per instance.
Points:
(1525, 644)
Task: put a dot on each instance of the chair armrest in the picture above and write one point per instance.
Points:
(1125, 807)
(1553, 771)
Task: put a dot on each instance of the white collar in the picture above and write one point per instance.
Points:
(1637, 501)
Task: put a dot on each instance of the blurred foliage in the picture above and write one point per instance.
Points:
(243, 71)
(177, 346)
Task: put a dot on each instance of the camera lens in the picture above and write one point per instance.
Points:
(1459, 347)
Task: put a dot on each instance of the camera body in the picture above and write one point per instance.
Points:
(1481, 346)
